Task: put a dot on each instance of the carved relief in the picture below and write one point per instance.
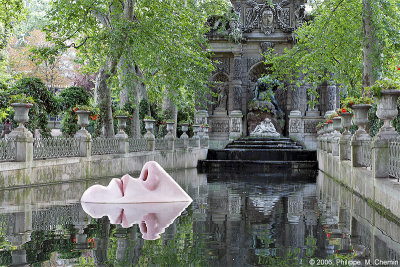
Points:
(294, 125)
(299, 14)
(252, 61)
(220, 126)
(221, 64)
(331, 97)
(237, 97)
(267, 17)
(309, 126)
(237, 68)
(236, 125)
(266, 46)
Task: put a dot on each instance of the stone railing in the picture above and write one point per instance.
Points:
(137, 145)
(102, 146)
(7, 149)
(55, 147)
(394, 159)
(22, 147)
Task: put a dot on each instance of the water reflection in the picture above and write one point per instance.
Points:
(234, 220)
(152, 218)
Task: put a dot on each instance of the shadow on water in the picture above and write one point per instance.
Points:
(235, 219)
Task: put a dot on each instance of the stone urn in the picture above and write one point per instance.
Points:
(83, 118)
(387, 111)
(21, 112)
(170, 126)
(196, 130)
(149, 125)
(346, 122)
(122, 122)
(185, 128)
(336, 124)
(361, 118)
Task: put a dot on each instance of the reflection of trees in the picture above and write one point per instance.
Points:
(184, 248)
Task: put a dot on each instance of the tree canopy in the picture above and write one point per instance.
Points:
(330, 46)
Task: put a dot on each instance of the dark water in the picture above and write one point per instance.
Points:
(234, 220)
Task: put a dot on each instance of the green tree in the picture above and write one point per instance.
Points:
(351, 42)
(155, 46)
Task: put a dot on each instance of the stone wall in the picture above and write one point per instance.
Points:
(16, 174)
(383, 193)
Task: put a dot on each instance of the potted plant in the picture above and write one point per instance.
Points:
(83, 112)
(346, 114)
(205, 127)
(360, 107)
(386, 93)
(21, 104)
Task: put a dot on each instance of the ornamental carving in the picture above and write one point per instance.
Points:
(331, 97)
(267, 17)
(220, 126)
(237, 97)
(266, 46)
(252, 61)
(236, 125)
(294, 125)
(221, 64)
(237, 68)
(299, 14)
(309, 126)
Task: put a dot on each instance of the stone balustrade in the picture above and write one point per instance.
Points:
(16, 148)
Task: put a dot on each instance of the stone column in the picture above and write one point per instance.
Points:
(85, 142)
(344, 144)
(24, 144)
(330, 98)
(171, 140)
(236, 115)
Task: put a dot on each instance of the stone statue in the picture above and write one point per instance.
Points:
(221, 97)
(264, 91)
(265, 129)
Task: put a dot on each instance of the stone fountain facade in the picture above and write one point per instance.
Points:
(239, 65)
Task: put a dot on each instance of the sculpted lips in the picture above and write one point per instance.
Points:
(123, 183)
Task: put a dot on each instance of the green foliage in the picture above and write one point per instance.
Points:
(71, 96)
(21, 98)
(45, 103)
(11, 12)
(348, 102)
(313, 97)
(384, 84)
(329, 47)
(147, 117)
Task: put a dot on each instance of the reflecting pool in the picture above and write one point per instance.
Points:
(235, 219)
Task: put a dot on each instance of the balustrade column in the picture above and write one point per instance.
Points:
(85, 142)
(236, 115)
(123, 142)
(24, 144)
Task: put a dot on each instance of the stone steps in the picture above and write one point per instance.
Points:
(255, 154)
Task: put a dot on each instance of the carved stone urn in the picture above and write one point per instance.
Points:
(149, 125)
(361, 118)
(196, 130)
(122, 123)
(185, 128)
(346, 122)
(83, 118)
(170, 129)
(21, 114)
(387, 111)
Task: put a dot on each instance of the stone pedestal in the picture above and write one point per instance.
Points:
(85, 142)
(344, 144)
(171, 141)
(201, 117)
(123, 142)
(24, 143)
(380, 158)
(235, 124)
(296, 126)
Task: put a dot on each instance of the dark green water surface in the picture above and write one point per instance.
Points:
(236, 219)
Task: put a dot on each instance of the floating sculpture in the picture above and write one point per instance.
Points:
(153, 185)
(265, 129)
(152, 218)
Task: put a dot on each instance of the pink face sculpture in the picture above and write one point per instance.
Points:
(152, 218)
(153, 185)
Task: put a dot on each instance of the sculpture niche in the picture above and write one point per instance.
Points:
(154, 200)
(264, 105)
(265, 129)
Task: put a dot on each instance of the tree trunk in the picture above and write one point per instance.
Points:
(103, 97)
(371, 61)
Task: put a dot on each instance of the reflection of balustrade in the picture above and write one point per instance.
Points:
(161, 144)
(179, 143)
(7, 149)
(394, 159)
(366, 154)
(136, 145)
(55, 147)
(102, 146)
